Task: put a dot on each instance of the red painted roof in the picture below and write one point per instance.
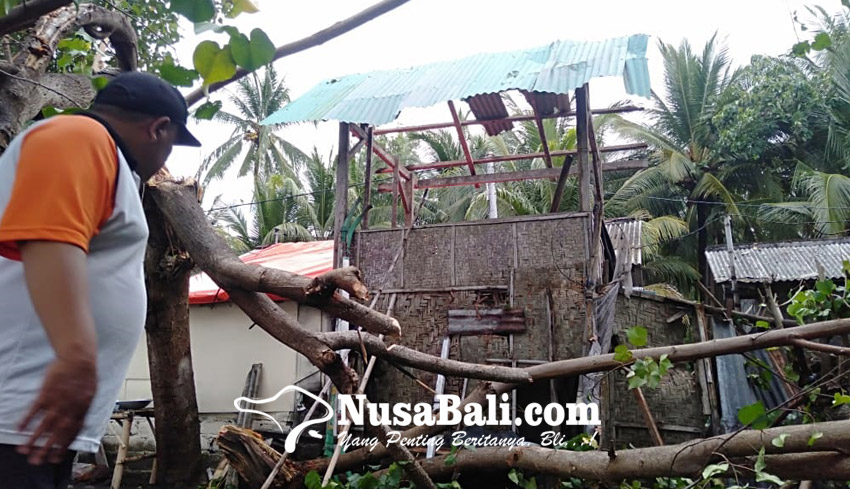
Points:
(310, 259)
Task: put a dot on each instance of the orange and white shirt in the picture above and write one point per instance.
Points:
(66, 180)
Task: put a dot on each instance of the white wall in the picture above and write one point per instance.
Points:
(223, 350)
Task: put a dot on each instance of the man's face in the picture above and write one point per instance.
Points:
(154, 146)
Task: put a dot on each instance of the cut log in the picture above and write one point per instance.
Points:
(349, 279)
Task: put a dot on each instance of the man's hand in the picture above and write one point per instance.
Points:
(64, 400)
(57, 280)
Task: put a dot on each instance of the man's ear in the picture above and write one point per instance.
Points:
(158, 127)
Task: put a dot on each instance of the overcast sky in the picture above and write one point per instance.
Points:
(423, 31)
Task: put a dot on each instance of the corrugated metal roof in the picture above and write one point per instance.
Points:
(780, 262)
(378, 97)
(626, 234)
(311, 259)
(489, 106)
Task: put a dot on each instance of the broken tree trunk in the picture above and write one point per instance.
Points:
(167, 270)
(252, 459)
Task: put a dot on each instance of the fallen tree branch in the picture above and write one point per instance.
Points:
(179, 205)
(821, 347)
(577, 366)
(316, 39)
(405, 356)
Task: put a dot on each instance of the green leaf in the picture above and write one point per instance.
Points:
(762, 325)
(530, 484)
(451, 459)
(779, 441)
(801, 48)
(202, 27)
(637, 336)
(760, 465)
(636, 381)
(206, 111)
(765, 477)
(178, 75)
(622, 354)
(74, 44)
(313, 480)
(825, 287)
(816, 435)
(714, 469)
(243, 6)
(840, 398)
(368, 481)
(6, 6)
(99, 82)
(822, 41)
(753, 415)
(213, 63)
(512, 475)
(254, 53)
(194, 10)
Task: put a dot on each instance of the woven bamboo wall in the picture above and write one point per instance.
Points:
(676, 403)
(546, 252)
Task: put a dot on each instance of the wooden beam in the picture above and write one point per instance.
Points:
(409, 210)
(519, 118)
(436, 165)
(395, 187)
(341, 194)
(462, 139)
(540, 130)
(367, 185)
(514, 176)
(379, 150)
(562, 182)
(584, 169)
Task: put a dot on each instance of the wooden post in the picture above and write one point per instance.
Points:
(367, 187)
(409, 211)
(341, 195)
(395, 184)
(582, 145)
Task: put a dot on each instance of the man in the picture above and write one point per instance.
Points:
(72, 291)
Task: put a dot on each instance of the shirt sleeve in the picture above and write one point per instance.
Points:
(64, 185)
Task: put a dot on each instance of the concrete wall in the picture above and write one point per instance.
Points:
(223, 350)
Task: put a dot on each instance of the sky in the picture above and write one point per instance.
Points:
(424, 31)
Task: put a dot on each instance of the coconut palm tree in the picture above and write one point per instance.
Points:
(278, 214)
(685, 171)
(263, 153)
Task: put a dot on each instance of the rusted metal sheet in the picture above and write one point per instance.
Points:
(466, 322)
(489, 107)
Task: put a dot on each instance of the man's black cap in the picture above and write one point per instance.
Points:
(148, 94)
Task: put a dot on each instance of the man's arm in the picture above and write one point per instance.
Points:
(57, 281)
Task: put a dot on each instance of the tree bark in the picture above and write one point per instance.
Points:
(702, 242)
(167, 270)
(25, 89)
